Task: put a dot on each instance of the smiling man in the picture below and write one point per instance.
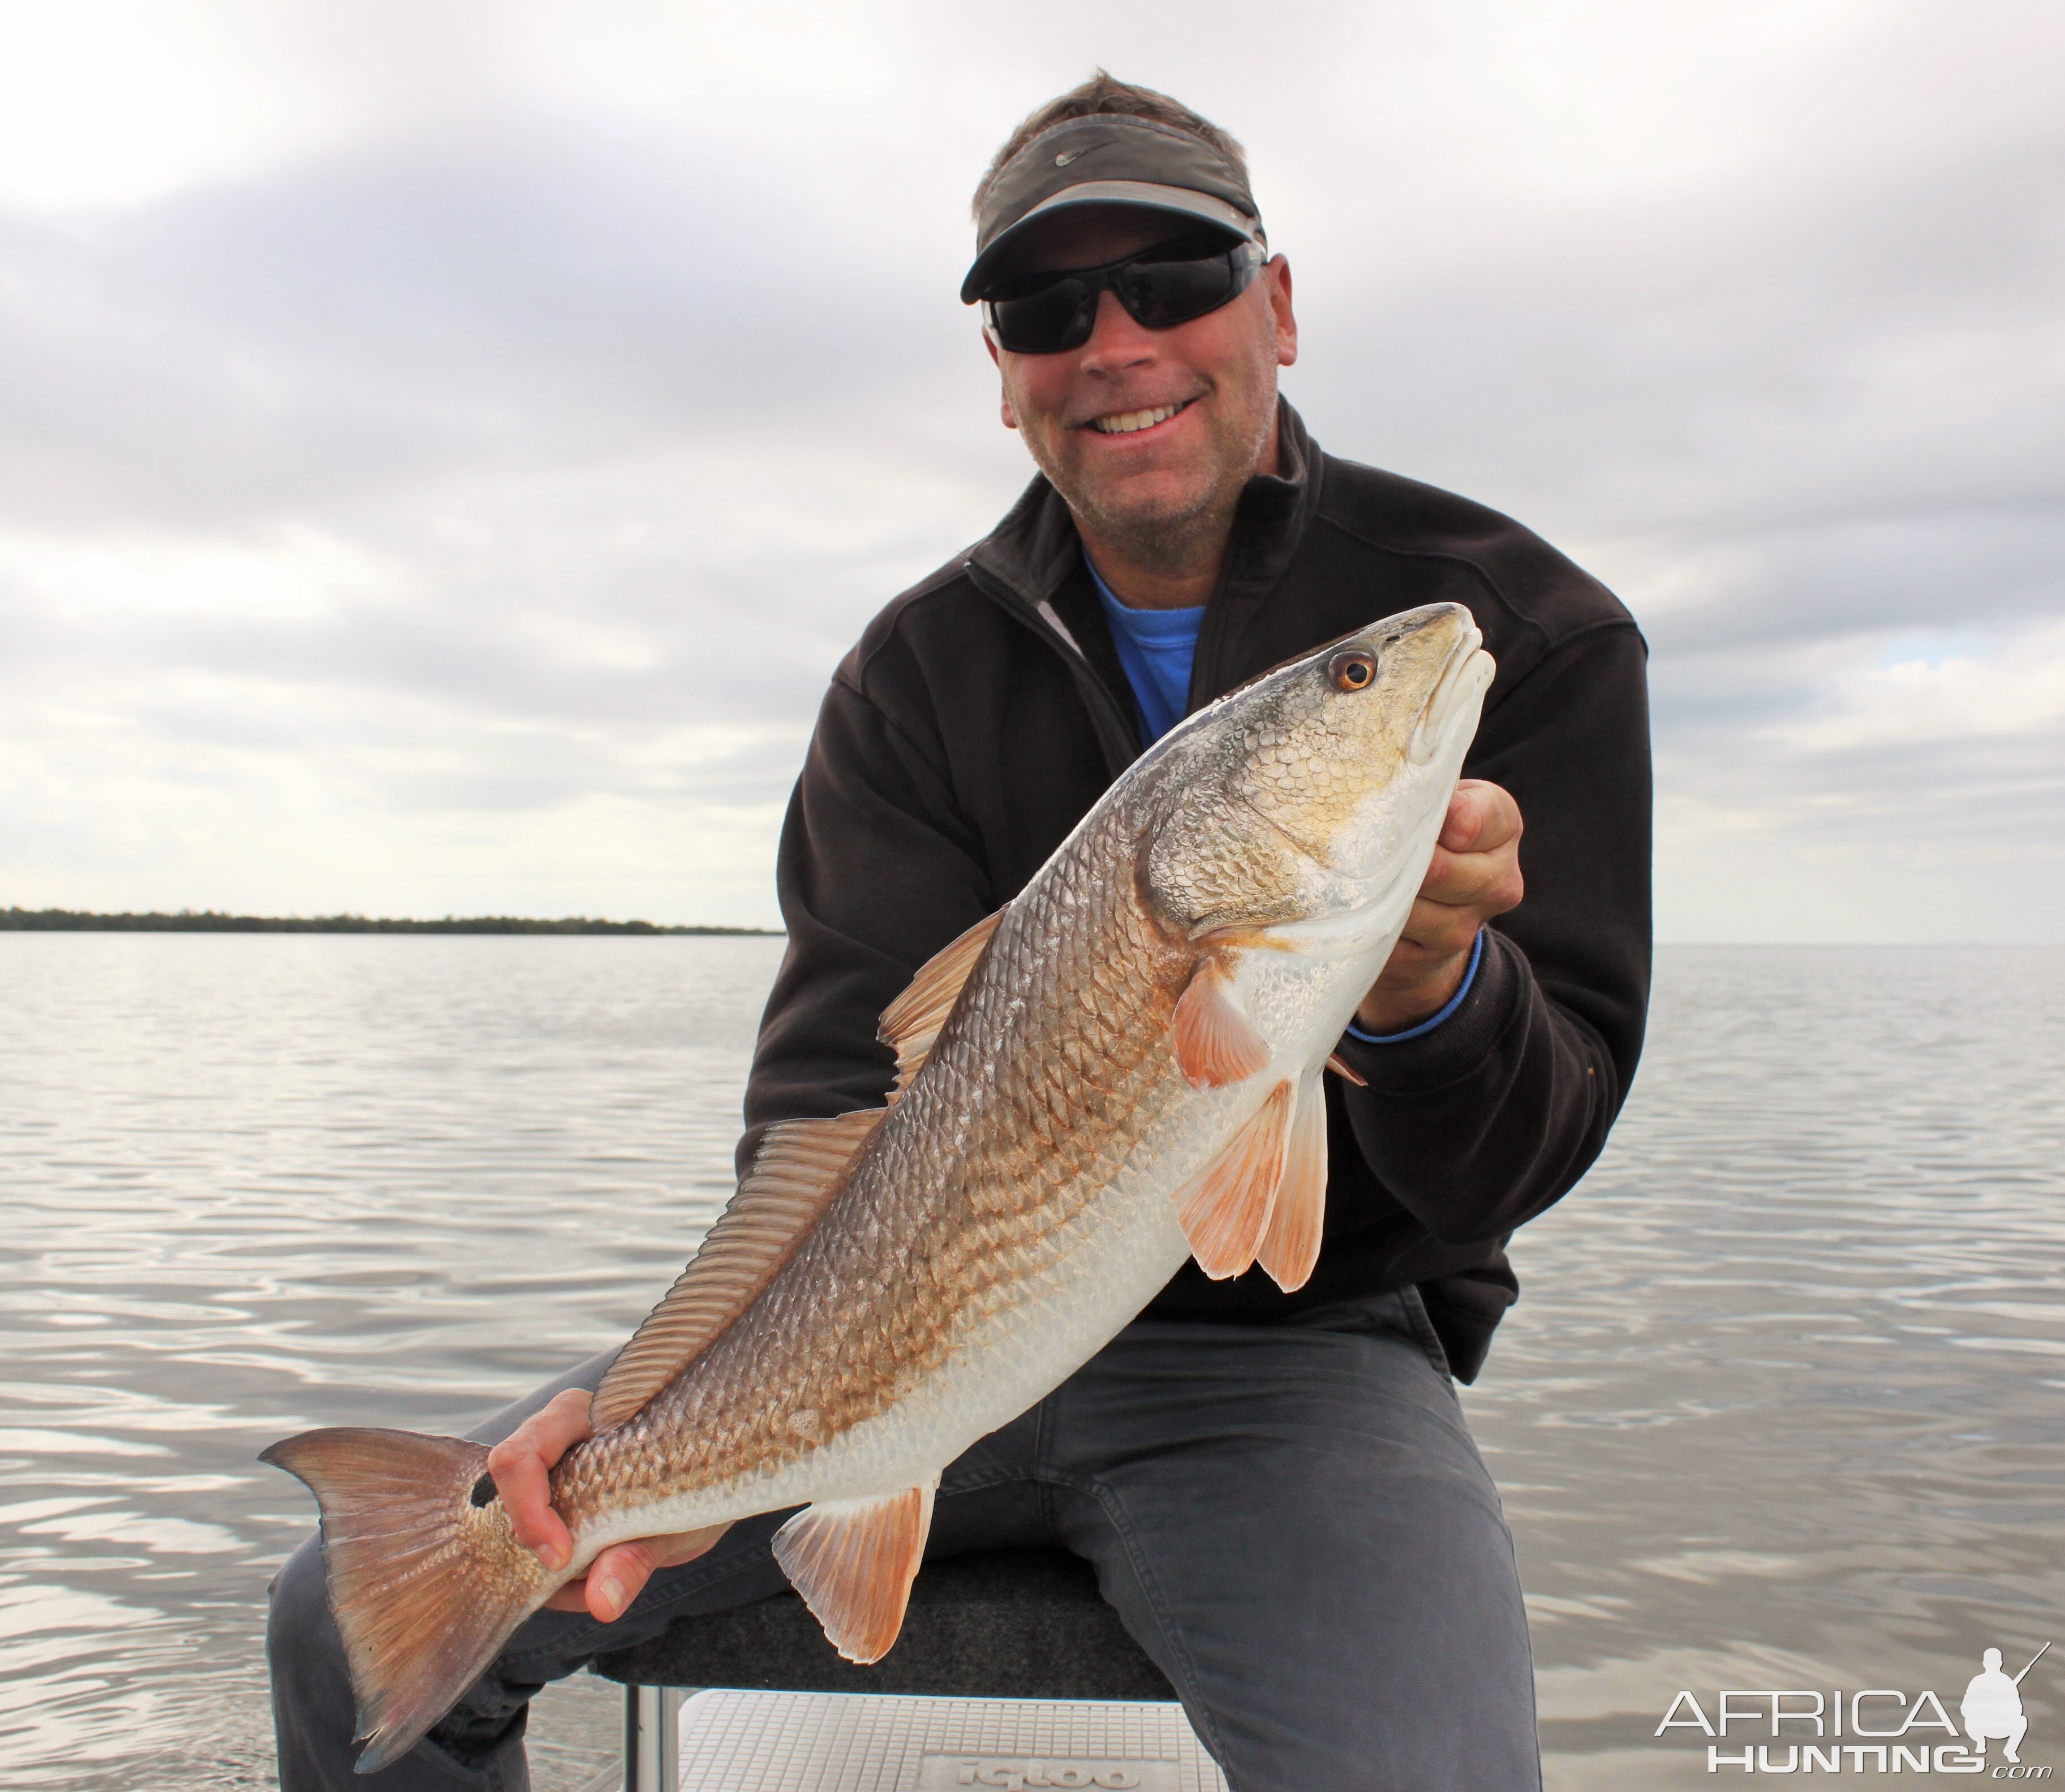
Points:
(1279, 1490)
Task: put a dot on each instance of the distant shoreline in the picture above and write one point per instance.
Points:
(213, 921)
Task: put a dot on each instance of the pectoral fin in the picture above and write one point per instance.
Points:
(1216, 1044)
(1291, 1246)
(1225, 1208)
(853, 1560)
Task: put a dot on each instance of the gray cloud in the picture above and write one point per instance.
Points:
(476, 500)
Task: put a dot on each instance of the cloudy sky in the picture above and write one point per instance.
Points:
(445, 446)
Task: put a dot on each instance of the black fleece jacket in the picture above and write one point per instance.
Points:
(985, 711)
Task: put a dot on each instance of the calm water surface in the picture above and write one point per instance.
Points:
(1781, 1406)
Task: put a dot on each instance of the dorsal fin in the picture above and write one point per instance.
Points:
(913, 1020)
(801, 1164)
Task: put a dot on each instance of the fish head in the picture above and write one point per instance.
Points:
(1312, 791)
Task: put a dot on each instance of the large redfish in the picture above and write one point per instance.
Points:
(1119, 1069)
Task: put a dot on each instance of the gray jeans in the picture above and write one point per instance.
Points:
(1292, 1519)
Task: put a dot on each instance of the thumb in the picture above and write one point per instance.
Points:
(616, 1578)
(1481, 816)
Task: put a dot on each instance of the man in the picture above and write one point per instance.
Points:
(1992, 1707)
(1279, 1492)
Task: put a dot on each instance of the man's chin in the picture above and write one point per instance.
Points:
(1144, 504)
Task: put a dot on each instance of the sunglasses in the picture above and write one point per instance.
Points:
(1171, 283)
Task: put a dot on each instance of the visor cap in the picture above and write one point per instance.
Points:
(1108, 158)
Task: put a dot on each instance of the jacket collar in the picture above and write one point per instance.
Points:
(1036, 547)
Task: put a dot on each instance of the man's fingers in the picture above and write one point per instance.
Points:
(616, 1577)
(1481, 817)
(1484, 884)
(521, 1464)
(1434, 931)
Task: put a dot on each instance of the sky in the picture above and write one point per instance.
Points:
(445, 444)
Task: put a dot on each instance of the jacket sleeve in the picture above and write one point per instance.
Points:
(1482, 1123)
(876, 868)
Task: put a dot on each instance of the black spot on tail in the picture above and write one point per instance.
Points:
(484, 1491)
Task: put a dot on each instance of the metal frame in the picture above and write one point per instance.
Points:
(653, 1738)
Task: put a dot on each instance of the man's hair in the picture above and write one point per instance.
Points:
(1104, 93)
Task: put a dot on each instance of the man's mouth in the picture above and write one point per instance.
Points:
(1128, 422)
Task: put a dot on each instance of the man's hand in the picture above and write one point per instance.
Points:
(1474, 875)
(521, 1465)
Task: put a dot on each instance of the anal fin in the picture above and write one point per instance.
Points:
(1291, 1246)
(853, 1560)
(1225, 1209)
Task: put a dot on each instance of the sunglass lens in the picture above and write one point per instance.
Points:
(1058, 316)
(1160, 293)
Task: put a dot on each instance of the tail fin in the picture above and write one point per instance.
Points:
(425, 1582)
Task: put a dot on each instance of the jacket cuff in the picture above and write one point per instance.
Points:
(1414, 1062)
(1441, 1014)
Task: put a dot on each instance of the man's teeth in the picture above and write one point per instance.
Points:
(1126, 421)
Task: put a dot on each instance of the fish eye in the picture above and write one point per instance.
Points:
(1353, 669)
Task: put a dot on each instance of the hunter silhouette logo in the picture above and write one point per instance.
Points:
(1876, 1731)
(1992, 1705)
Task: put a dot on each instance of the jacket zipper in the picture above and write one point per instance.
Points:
(1114, 729)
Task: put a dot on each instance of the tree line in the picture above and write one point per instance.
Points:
(214, 921)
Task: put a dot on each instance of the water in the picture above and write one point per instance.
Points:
(1781, 1407)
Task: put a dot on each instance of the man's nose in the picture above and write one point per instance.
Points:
(1117, 342)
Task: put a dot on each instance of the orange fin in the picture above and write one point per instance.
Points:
(800, 1165)
(426, 1586)
(1216, 1044)
(1291, 1246)
(853, 1560)
(1225, 1208)
(1347, 1071)
(913, 1020)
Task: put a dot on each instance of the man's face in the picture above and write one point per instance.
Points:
(1215, 376)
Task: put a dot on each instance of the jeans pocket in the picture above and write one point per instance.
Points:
(1423, 1329)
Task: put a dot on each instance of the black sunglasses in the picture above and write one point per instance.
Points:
(1042, 314)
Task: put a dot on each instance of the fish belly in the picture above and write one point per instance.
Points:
(1111, 1258)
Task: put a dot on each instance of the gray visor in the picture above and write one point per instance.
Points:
(1111, 159)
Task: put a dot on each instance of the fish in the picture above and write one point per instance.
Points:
(1119, 1070)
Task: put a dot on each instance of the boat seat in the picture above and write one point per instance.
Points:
(998, 1623)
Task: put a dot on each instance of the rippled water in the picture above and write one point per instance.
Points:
(1781, 1406)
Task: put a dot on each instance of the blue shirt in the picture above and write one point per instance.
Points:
(1156, 648)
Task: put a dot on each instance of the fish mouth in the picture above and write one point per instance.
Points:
(1464, 680)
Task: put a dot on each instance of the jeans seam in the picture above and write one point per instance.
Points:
(991, 1478)
(1423, 1329)
(1114, 1510)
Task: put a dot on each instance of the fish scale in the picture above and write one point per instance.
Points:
(1102, 1080)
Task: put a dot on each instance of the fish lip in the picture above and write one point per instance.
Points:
(1469, 671)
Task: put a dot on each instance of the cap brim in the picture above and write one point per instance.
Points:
(1139, 194)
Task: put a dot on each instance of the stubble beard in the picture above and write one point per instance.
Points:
(1172, 538)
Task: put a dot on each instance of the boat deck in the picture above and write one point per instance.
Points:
(744, 1741)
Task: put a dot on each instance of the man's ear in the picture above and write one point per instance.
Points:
(1004, 401)
(1276, 271)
